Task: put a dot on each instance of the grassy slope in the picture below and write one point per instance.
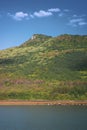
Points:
(45, 68)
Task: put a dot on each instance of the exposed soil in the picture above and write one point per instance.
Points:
(40, 102)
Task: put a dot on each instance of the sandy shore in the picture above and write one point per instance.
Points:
(17, 102)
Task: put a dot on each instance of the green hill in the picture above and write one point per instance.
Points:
(45, 67)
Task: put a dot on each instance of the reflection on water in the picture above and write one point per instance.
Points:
(43, 117)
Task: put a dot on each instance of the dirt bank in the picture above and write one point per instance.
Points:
(17, 102)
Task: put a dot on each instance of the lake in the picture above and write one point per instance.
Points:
(43, 117)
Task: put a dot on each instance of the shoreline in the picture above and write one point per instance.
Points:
(41, 102)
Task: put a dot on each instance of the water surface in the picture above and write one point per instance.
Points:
(43, 117)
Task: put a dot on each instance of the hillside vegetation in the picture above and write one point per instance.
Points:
(45, 67)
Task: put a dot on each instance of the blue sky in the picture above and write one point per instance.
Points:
(20, 19)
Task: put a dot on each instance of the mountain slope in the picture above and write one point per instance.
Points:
(45, 67)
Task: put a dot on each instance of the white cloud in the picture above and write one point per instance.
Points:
(75, 15)
(78, 16)
(82, 23)
(66, 10)
(31, 15)
(63, 13)
(42, 13)
(19, 16)
(77, 21)
(60, 14)
(54, 10)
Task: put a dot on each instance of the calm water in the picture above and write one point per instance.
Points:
(43, 117)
